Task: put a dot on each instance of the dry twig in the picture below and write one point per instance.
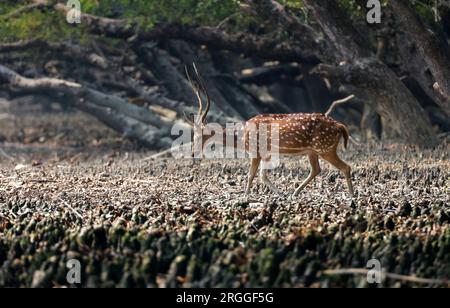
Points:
(362, 271)
(337, 103)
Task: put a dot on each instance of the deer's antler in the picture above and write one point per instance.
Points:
(198, 88)
(205, 91)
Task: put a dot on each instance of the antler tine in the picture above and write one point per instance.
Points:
(188, 119)
(208, 98)
(197, 93)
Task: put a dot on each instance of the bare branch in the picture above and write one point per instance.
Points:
(270, 74)
(241, 43)
(71, 208)
(4, 154)
(15, 80)
(132, 121)
(167, 152)
(74, 51)
(337, 103)
(362, 271)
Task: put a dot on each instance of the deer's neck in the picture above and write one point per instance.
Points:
(224, 137)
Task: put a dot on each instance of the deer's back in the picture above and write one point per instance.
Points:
(298, 132)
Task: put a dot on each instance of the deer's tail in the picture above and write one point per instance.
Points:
(345, 133)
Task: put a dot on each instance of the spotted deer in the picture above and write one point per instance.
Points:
(312, 134)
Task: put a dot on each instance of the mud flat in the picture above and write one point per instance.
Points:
(137, 223)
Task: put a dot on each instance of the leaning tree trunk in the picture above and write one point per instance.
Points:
(373, 79)
(435, 52)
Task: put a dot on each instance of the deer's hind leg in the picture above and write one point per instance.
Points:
(334, 159)
(251, 173)
(315, 170)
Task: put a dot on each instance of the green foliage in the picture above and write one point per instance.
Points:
(425, 11)
(37, 24)
(52, 25)
(295, 4)
(149, 12)
(357, 8)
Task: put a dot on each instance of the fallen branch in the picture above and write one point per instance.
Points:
(131, 121)
(361, 271)
(241, 43)
(166, 152)
(337, 103)
(269, 74)
(73, 51)
(71, 208)
(3, 153)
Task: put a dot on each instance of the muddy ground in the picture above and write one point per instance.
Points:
(71, 189)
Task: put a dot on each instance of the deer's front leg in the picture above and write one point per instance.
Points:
(265, 180)
(251, 174)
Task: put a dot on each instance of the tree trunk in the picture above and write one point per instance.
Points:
(377, 83)
(434, 51)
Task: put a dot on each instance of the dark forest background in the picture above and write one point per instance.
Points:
(124, 64)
